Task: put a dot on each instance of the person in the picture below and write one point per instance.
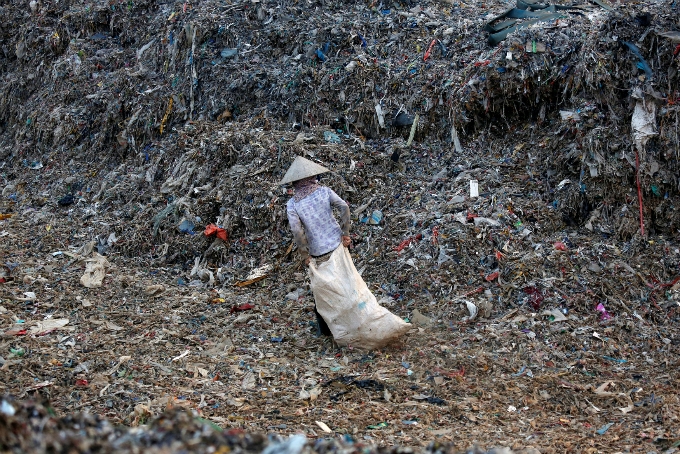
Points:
(316, 232)
(344, 305)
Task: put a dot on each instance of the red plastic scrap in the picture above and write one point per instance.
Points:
(535, 297)
(471, 216)
(435, 235)
(212, 229)
(560, 246)
(671, 283)
(492, 277)
(241, 308)
(403, 244)
(82, 383)
(429, 50)
(15, 332)
(408, 241)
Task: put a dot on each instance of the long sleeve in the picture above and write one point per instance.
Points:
(341, 205)
(298, 230)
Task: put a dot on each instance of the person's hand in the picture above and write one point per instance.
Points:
(307, 260)
(346, 241)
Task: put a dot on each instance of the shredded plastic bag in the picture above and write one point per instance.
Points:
(48, 325)
(643, 122)
(349, 308)
(95, 270)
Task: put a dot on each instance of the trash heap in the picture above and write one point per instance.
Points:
(127, 83)
(499, 194)
(33, 428)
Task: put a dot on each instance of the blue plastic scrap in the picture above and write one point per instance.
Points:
(228, 52)
(501, 26)
(642, 63)
(602, 430)
(442, 48)
(331, 137)
(615, 360)
(521, 372)
(187, 226)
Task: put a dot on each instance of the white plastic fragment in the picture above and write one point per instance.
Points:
(45, 326)
(570, 115)
(381, 117)
(413, 131)
(557, 315)
(7, 409)
(643, 122)
(480, 221)
(177, 358)
(293, 445)
(455, 140)
(323, 426)
(563, 183)
(472, 308)
(474, 188)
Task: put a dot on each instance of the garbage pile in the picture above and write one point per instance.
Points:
(33, 428)
(584, 92)
(596, 88)
(514, 201)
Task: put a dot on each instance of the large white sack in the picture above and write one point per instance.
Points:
(349, 308)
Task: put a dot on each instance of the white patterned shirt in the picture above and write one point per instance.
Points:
(315, 229)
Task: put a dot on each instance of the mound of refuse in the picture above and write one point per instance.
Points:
(511, 170)
(33, 428)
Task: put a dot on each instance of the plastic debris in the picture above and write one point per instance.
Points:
(604, 315)
(212, 229)
(146, 115)
(95, 271)
(602, 430)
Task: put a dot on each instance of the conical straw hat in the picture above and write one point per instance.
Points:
(302, 168)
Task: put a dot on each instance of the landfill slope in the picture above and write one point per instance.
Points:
(545, 305)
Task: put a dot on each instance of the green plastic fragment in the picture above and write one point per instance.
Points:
(382, 425)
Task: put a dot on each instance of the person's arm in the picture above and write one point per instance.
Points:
(342, 206)
(298, 233)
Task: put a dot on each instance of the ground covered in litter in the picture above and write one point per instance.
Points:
(513, 181)
(556, 357)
